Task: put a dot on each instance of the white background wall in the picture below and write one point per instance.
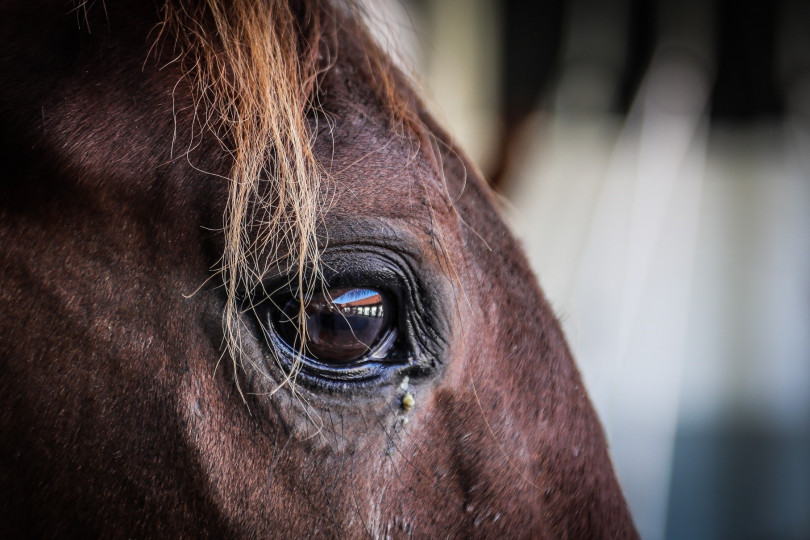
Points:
(675, 250)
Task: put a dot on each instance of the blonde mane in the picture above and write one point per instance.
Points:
(254, 69)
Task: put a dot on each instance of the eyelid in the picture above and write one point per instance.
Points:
(391, 235)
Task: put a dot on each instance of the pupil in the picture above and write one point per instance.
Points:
(342, 324)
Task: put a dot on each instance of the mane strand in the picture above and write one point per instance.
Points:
(254, 68)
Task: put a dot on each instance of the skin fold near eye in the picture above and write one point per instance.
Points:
(342, 324)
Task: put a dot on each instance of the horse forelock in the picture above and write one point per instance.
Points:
(254, 67)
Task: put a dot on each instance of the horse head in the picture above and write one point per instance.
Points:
(251, 288)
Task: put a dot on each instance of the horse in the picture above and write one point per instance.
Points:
(251, 288)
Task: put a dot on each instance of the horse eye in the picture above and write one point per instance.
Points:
(342, 324)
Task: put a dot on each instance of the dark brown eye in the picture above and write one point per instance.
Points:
(342, 325)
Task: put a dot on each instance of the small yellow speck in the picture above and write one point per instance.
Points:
(404, 420)
(408, 402)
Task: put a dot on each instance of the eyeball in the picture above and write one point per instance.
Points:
(343, 325)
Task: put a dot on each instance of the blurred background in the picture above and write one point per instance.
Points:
(655, 160)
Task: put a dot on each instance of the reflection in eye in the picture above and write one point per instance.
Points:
(343, 324)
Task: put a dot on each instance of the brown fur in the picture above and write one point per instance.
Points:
(116, 420)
